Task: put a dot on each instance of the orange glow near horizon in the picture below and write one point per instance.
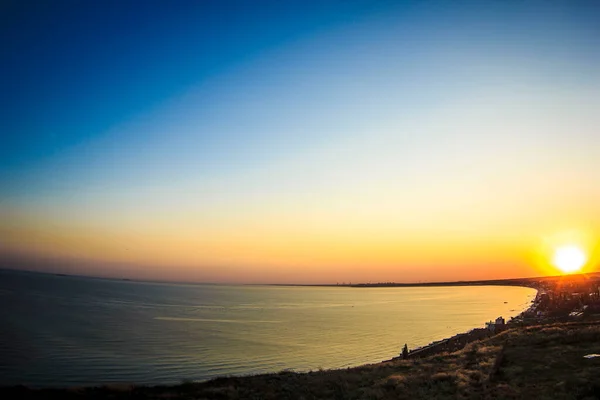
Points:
(280, 254)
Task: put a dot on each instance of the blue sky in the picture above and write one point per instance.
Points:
(78, 69)
(77, 72)
(387, 117)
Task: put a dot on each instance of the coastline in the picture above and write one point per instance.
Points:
(530, 315)
(519, 363)
(461, 340)
(370, 360)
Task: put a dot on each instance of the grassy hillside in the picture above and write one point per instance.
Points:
(539, 362)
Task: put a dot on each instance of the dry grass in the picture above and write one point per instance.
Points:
(541, 362)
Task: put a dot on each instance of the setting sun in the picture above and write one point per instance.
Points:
(569, 259)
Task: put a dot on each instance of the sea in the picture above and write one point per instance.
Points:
(58, 331)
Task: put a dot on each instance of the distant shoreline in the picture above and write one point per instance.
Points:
(525, 282)
(507, 282)
(534, 283)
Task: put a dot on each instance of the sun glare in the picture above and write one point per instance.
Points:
(569, 259)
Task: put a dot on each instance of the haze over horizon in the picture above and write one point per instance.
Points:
(296, 142)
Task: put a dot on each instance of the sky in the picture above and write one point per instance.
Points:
(299, 141)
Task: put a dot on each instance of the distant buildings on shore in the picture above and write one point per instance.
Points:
(496, 326)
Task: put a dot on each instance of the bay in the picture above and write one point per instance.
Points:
(71, 331)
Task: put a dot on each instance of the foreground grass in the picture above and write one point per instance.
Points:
(539, 362)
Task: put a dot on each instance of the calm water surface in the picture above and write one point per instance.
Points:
(64, 331)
